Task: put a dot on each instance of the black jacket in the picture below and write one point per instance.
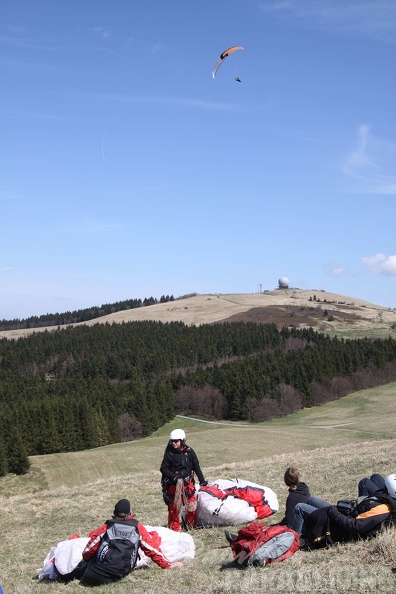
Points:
(342, 528)
(182, 463)
(299, 495)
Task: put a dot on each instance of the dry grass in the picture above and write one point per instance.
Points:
(69, 493)
(384, 548)
(352, 317)
(31, 523)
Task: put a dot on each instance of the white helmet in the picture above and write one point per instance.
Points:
(390, 484)
(177, 434)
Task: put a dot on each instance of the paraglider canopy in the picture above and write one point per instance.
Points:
(223, 55)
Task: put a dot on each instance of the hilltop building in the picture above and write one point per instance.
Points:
(283, 283)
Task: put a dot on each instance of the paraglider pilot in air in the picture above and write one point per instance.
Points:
(178, 467)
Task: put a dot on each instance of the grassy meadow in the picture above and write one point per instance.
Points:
(334, 446)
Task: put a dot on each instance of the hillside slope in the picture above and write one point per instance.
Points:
(322, 310)
(334, 446)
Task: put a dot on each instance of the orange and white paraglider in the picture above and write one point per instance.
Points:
(223, 56)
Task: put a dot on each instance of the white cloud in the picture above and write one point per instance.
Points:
(176, 101)
(374, 19)
(335, 270)
(371, 164)
(157, 47)
(380, 264)
(359, 156)
(104, 33)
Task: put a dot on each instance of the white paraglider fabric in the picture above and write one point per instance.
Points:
(68, 553)
(174, 545)
(232, 502)
(66, 556)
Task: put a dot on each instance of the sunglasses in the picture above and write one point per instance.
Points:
(175, 440)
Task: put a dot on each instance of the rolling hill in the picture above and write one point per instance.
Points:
(322, 310)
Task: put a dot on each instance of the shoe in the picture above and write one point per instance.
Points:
(305, 545)
(229, 536)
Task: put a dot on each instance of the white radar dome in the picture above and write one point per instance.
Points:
(283, 282)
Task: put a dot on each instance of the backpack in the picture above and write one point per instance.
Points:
(361, 505)
(259, 544)
(118, 551)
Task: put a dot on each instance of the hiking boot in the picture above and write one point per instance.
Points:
(305, 544)
(229, 536)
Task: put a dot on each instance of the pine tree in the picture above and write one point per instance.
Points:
(17, 459)
(3, 455)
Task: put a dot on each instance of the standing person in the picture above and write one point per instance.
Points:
(112, 550)
(298, 493)
(178, 467)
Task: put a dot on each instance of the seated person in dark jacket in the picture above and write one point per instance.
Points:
(300, 503)
(298, 493)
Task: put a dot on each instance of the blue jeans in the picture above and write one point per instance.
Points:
(302, 510)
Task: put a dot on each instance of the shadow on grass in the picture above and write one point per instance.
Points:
(231, 565)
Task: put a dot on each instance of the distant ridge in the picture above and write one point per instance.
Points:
(299, 307)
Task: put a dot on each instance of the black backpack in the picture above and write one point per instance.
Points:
(355, 507)
(118, 551)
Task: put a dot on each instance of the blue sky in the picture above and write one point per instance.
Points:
(127, 171)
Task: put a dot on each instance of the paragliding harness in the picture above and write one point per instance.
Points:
(259, 544)
(119, 547)
(183, 491)
(318, 523)
(355, 507)
(321, 538)
(187, 491)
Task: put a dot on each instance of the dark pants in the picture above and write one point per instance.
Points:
(369, 486)
(97, 574)
(76, 574)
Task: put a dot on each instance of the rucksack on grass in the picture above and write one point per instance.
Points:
(119, 547)
(259, 544)
(361, 505)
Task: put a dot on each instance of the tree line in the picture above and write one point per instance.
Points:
(82, 387)
(80, 315)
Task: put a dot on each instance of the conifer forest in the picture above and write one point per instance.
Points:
(82, 387)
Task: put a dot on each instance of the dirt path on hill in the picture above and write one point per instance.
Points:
(345, 425)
